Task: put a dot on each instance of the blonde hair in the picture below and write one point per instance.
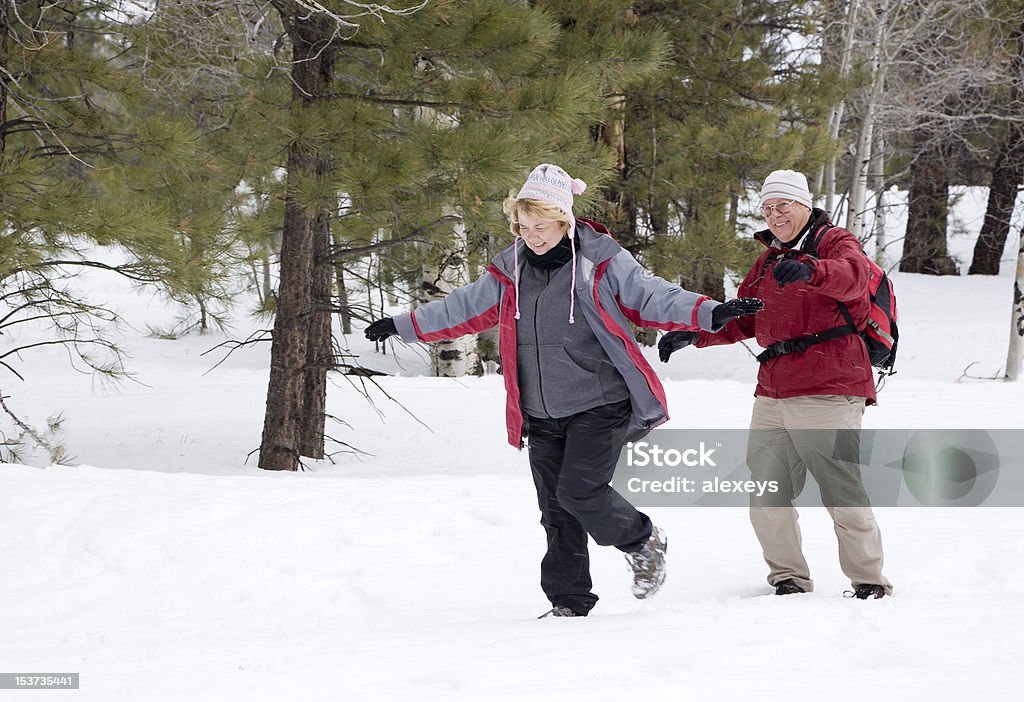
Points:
(532, 208)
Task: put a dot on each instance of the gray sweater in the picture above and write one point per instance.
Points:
(563, 369)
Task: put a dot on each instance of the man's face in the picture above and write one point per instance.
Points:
(786, 218)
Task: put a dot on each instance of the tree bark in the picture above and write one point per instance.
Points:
(857, 212)
(1015, 353)
(924, 247)
(452, 358)
(286, 424)
(1007, 174)
(1002, 196)
(621, 210)
(344, 306)
(4, 59)
(319, 352)
(835, 118)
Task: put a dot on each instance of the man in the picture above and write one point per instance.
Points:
(814, 382)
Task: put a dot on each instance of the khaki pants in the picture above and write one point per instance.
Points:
(820, 434)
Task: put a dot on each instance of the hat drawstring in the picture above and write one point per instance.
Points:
(515, 250)
(572, 289)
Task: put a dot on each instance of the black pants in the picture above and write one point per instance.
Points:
(573, 460)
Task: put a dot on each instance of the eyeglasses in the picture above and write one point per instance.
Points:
(782, 208)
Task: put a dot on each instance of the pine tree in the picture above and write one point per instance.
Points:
(78, 139)
(735, 102)
(390, 180)
(70, 146)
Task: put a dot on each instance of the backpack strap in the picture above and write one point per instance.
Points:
(802, 343)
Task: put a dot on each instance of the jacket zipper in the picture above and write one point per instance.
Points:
(536, 335)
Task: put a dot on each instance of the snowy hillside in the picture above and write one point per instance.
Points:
(160, 566)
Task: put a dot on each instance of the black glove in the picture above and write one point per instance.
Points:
(673, 341)
(381, 329)
(790, 271)
(740, 307)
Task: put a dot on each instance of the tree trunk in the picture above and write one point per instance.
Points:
(344, 306)
(1002, 197)
(1006, 176)
(857, 212)
(452, 358)
(286, 421)
(4, 60)
(1015, 353)
(319, 352)
(878, 184)
(924, 247)
(835, 118)
(621, 210)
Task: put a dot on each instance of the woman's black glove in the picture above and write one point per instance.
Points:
(673, 341)
(381, 329)
(740, 307)
(790, 271)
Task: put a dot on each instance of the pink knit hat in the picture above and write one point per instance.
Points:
(551, 184)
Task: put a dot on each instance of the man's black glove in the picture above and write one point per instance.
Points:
(790, 271)
(673, 341)
(740, 307)
(381, 329)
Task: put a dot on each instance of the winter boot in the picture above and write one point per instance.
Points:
(561, 611)
(866, 591)
(648, 565)
(787, 587)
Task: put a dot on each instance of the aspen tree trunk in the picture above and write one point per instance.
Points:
(878, 183)
(856, 214)
(1015, 353)
(835, 119)
(455, 357)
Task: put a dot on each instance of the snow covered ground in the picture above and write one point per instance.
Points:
(160, 566)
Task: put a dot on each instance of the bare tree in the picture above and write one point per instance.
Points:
(1015, 352)
(922, 70)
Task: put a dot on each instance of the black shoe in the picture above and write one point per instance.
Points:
(787, 587)
(648, 565)
(866, 591)
(561, 611)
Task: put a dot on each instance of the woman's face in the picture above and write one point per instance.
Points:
(541, 234)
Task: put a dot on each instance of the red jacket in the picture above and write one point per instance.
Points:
(840, 273)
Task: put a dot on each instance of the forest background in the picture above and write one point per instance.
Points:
(333, 159)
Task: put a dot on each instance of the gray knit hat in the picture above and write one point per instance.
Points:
(787, 185)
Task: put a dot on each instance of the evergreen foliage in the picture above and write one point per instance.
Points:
(78, 132)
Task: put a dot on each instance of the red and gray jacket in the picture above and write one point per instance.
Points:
(611, 290)
(840, 274)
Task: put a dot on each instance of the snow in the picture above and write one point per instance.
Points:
(162, 565)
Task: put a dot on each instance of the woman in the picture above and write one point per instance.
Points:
(577, 384)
